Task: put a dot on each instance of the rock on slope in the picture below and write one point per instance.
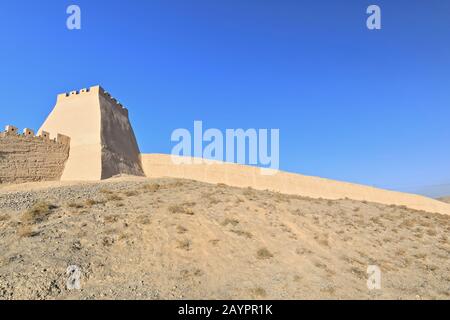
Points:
(175, 239)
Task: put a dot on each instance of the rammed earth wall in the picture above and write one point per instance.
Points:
(27, 159)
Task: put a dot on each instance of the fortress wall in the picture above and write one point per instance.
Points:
(120, 151)
(26, 158)
(103, 142)
(77, 115)
(158, 166)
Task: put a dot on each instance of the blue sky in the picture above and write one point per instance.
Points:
(370, 107)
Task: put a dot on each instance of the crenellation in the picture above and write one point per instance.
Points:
(12, 131)
(45, 135)
(119, 106)
(28, 133)
(9, 129)
(75, 93)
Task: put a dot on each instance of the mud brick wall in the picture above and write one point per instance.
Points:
(28, 159)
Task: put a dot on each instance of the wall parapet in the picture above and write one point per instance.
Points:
(113, 101)
(12, 131)
(95, 89)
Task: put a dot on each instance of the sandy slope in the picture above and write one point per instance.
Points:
(445, 199)
(172, 239)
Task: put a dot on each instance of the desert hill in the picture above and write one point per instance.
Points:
(140, 238)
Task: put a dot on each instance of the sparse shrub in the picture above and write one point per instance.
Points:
(107, 241)
(153, 187)
(228, 221)
(358, 272)
(297, 278)
(278, 197)
(320, 265)
(187, 274)
(420, 255)
(259, 292)
(38, 212)
(143, 219)
(176, 184)
(323, 241)
(123, 236)
(181, 229)
(92, 202)
(106, 191)
(263, 254)
(111, 218)
(214, 242)
(243, 233)
(176, 209)
(4, 217)
(181, 209)
(75, 205)
(198, 272)
(114, 197)
(189, 204)
(26, 231)
(431, 267)
(249, 193)
(330, 289)
(184, 244)
(407, 223)
(212, 200)
(131, 193)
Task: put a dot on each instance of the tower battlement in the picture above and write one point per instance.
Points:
(97, 90)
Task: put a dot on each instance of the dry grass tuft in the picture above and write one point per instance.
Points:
(111, 218)
(75, 205)
(92, 202)
(264, 254)
(27, 231)
(38, 212)
(131, 193)
(181, 229)
(184, 244)
(183, 209)
(106, 191)
(322, 239)
(259, 292)
(114, 197)
(153, 187)
(143, 219)
(228, 221)
(241, 233)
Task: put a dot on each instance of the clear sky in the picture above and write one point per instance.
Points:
(370, 107)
